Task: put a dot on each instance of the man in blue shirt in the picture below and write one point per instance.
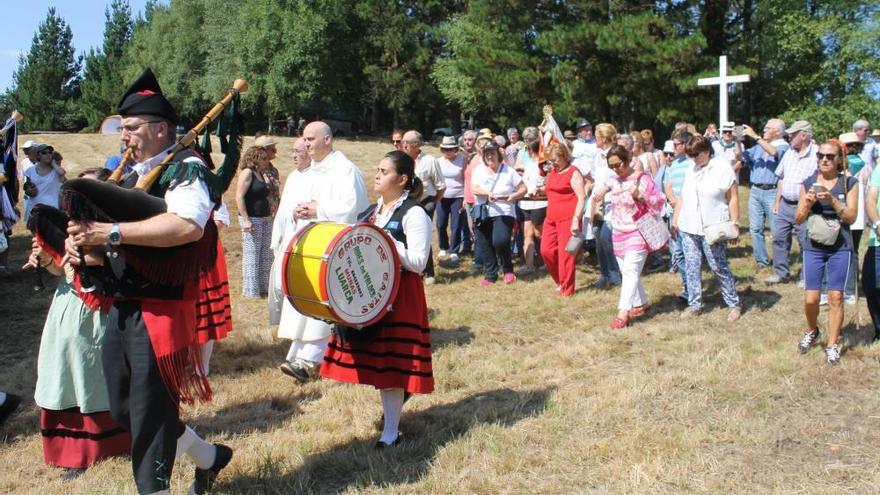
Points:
(762, 160)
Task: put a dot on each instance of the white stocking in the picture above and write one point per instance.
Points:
(201, 452)
(392, 406)
(206, 350)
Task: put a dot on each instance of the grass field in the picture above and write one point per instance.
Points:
(534, 393)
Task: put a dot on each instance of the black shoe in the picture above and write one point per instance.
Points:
(302, 373)
(9, 406)
(70, 474)
(380, 445)
(203, 480)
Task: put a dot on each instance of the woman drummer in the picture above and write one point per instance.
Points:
(394, 355)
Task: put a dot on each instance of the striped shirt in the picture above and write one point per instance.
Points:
(794, 167)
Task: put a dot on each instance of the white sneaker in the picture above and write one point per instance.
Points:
(429, 280)
(453, 257)
(850, 299)
(442, 253)
(823, 299)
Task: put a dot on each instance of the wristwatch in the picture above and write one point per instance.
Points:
(115, 237)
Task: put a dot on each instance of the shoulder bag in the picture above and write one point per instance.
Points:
(654, 231)
(480, 211)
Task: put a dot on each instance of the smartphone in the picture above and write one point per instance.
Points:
(818, 188)
(738, 132)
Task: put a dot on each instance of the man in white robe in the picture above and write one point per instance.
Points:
(333, 190)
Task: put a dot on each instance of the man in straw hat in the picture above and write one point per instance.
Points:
(150, 347)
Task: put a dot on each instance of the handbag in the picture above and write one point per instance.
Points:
(821, 230)
(480, 211)
(721, 231)
(654, 231)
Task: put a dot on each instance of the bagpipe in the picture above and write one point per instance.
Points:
(112, 202)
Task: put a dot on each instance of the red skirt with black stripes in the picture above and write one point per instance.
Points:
(400, 354)
(213, 309)
(75, 440)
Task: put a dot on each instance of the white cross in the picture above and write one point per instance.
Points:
(722, 81)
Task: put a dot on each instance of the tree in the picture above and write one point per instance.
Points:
(46, 82)
(102, 82)
(494, 64)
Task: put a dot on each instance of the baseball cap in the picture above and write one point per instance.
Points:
(799, 126)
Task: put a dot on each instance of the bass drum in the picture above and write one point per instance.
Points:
(341, 273)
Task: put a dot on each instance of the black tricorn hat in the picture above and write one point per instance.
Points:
(145, 97)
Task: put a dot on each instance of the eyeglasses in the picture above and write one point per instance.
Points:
(826, 156)
(616, 164)
(727, 132)
(668, 153)
(396, 141)
(134, 127)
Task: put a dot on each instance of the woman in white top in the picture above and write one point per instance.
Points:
(708, 198)
(450, 209)
(534, 204)
(42, 186)
(43, 181)
(497, 187)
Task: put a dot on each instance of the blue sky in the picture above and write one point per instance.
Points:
(85, 18)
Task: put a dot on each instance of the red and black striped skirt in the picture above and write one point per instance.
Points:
(400, 354)
(72, 439)
(213, 310)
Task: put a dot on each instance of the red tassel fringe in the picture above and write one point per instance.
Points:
(183, 375)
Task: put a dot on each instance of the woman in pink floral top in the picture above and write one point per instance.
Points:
(632, 195)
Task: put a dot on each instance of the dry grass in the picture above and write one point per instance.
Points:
(535, 394)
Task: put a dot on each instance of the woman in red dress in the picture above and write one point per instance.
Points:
(565, 208)
(394, 355)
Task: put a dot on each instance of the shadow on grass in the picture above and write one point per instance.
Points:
(358, 464)
(446, 337)
(262, 414)
(853, 335)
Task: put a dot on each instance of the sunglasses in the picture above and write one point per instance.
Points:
(616, 164)
(396, 141)
(826, 156)
(668, 153)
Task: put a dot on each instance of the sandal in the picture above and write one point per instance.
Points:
(618, 323)
(639, 310)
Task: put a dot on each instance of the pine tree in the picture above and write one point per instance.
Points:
(102, 77)
(46, 82)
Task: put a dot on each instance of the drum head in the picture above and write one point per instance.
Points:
(361, 275)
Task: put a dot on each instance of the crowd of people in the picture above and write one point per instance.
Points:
(602, 193)
(114, 365)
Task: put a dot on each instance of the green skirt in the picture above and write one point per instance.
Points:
(70, 371)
